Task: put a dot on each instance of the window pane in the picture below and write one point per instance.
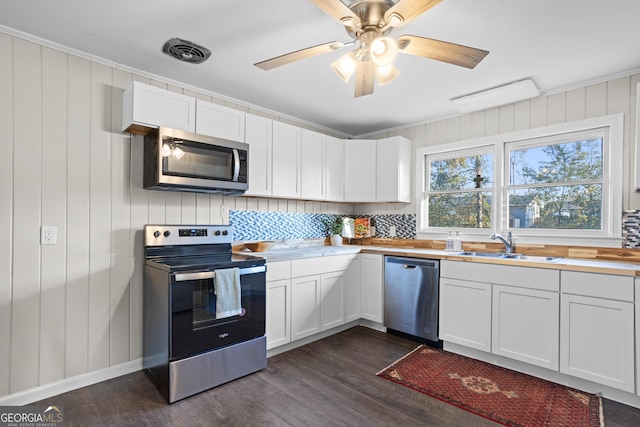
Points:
(462, 173)
(560, 207)
(571, 161)
(468, 210)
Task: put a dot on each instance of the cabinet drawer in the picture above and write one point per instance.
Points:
(319, 265)
(278, 270)
(523, 277)
(597, 285)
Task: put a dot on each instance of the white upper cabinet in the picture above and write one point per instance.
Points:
(360, 170)
(219, 121)
(145, 107)
(258, 134)
(334, 169)
(393, 167)
(312, 165)
(286, 161)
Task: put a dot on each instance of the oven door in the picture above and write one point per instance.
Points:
(194, 327)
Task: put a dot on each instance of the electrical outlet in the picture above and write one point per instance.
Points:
(224, 211)
(48, 235)
(392, 230)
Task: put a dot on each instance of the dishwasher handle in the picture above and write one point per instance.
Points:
(411, 263)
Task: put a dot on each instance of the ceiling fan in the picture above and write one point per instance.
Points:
(369, 22)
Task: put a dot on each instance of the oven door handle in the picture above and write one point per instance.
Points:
(183, 277)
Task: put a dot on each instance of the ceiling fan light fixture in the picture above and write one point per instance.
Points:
(384, 50)
(345, 66)
(386, 74)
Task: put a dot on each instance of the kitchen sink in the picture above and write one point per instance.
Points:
(522, 257)
(483, 254)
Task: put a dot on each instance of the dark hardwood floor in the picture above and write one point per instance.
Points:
(330, 382)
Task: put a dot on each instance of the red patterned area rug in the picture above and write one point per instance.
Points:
(498, 394)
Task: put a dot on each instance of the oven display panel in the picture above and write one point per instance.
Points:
(192, 232)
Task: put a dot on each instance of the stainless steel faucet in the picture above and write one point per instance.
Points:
(507, 242)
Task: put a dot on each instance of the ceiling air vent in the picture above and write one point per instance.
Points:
(186, 51)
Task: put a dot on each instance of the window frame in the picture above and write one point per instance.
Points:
(611, 233)
(461, 152)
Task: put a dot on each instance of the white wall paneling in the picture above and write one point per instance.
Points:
(6, 207)
(74, 309)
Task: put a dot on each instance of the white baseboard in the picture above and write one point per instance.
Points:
(31, 395)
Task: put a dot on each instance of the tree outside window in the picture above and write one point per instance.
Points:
(459, 191)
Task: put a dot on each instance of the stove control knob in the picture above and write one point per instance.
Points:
(217, 233)
(225, 232)
(167, 233)
(156, 234)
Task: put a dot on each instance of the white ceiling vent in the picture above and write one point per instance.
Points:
(186, 51)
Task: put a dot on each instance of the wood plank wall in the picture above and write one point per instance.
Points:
(76, 307)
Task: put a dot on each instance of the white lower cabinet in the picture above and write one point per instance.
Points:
(597, 328)
(637, 304)
(465, 313)
(372, 287)
(353, 290)
(525, 325)
(311, 295)
(278, 310)
(332, 300)
(305, 306)
(278, 315)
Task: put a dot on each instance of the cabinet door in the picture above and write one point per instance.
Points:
(258, 135)
(278, 313)
(360, 170)
(331, 300)
(637, 305)
(145, 107)
(372, 287)
(286, 161)
(305, 306)
(219, 121)
(526, 325)
(393, 170)
(334, 167)
(465, 313)
(312, 165)
(353, 290)
(596, 340)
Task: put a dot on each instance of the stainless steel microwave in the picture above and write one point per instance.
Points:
(184, 161)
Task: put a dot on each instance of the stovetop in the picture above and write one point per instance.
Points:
(193, 248)
(204, 262)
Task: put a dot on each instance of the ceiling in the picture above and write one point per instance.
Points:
(558, 44)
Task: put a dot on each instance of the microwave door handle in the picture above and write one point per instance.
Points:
(236, 163)
(183, 277)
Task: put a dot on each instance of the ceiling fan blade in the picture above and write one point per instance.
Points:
(364, 78)
(298, 55)
(337, 10)
(452, 53)
(407, 10)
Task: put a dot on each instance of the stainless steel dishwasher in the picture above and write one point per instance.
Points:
(411, 296)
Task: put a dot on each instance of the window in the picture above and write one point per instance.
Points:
(560, 182)
(460, 186)
(557, 184)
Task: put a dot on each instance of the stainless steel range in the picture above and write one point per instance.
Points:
(204, 309)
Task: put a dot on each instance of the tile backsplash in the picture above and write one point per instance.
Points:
(259, 225)
(631, 229)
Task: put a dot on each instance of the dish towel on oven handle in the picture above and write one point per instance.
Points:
(228, 293)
